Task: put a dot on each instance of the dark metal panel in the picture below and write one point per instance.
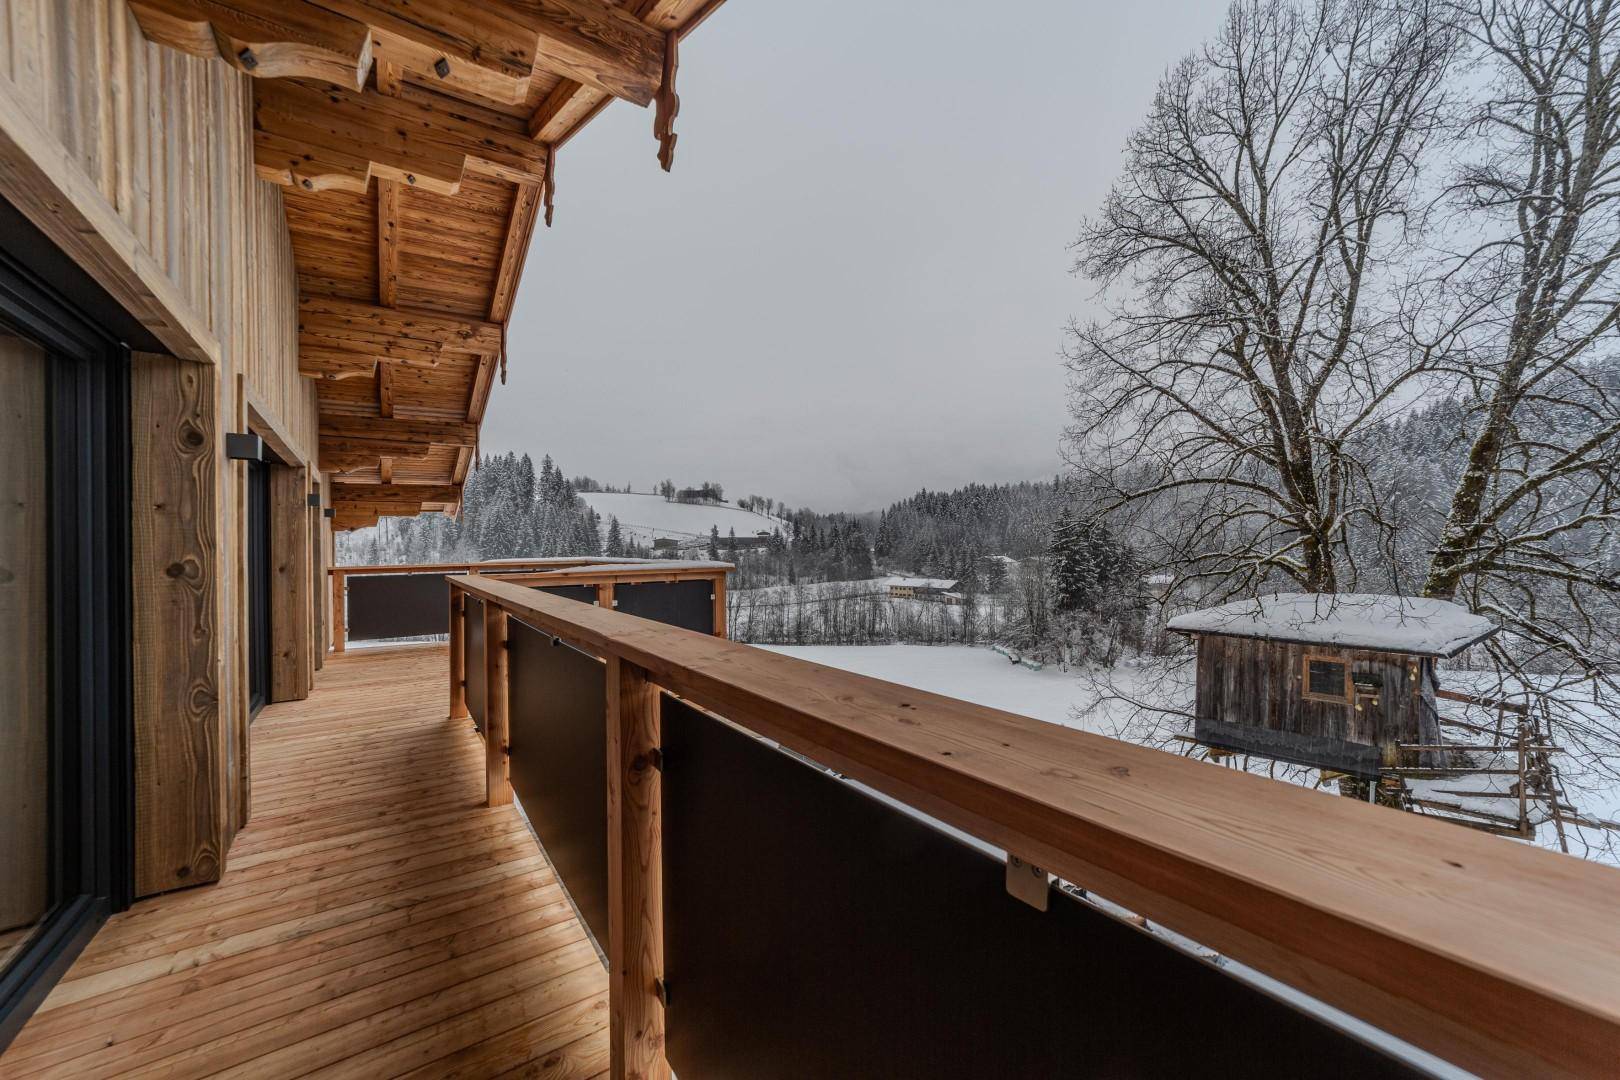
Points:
(687, 604)
(585, 594)
(397, 605)
(813, 931)
(474, 668)
(557, 714)
(1317, 751)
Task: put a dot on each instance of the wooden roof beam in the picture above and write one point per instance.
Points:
(386, 496)
(340, 338)
(321, 138)
(270, 39)
(410, 436)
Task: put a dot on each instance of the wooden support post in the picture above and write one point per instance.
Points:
(340, 628)
(635, 875)
(181, 782)
(290, 586)
(720, 605)
(604, 596)
(497, 782)
(458, 655)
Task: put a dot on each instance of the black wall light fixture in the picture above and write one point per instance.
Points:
(243, 447)
(313, 499)
(329, 512)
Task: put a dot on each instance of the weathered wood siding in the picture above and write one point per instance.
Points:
(156, 148)
(1260, 684)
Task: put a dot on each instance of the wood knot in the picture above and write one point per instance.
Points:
(175, 569)
(192, 438)
(1119, 771)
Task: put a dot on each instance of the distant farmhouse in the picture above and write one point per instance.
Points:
(1343, 682)
(939, 590)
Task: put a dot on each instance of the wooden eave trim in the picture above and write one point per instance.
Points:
(41, 179)
(268, 426)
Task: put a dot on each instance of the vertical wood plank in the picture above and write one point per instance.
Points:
(458, 655)
(497, 782)
(179, 769)
(635, 875)
(604, 596)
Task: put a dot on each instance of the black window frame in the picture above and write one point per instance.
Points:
(92, 737)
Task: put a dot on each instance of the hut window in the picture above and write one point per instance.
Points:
(1327, 678)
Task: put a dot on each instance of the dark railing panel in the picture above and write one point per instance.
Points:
(474, 636)
(585, 594)
(812, 930)
(687, 604)
(396, 605)
(557, 712)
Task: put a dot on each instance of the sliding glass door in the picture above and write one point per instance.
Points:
(25, 647)
(65, 764)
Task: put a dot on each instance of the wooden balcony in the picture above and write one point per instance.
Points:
(375, 918)
(387, 911)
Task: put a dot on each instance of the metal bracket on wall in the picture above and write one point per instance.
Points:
(661, 988)
(1028, 882)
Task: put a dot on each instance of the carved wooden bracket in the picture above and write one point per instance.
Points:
(548, 183)
(668, 103)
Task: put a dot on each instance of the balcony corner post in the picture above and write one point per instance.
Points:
(458, 655)
(497, 781)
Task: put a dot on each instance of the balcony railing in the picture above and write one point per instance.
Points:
(387, 603)
(762, 916)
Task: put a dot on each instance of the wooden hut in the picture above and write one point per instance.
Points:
(1335, 681)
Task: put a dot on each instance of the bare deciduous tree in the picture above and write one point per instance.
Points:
(1261, 232)
(1529, 535)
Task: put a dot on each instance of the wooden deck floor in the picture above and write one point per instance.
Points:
(375, 919)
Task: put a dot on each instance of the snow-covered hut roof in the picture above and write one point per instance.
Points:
(1348, 620)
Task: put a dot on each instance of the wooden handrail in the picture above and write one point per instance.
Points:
(1499, 957)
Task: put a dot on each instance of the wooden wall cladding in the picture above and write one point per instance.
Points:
(181, 817)
(137, 160)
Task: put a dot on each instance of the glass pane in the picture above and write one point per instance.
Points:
(24, 647)
(1327, 678)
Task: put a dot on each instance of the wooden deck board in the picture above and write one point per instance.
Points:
(375, 918)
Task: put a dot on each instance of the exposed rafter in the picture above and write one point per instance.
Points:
(519, 228)
(385, 389)
(347, 338)
(325, 138)
(387, 497)
(355, 443)
(388, 243)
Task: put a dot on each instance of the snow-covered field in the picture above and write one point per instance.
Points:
(1073, 700)
(643, 518)
(972, 674)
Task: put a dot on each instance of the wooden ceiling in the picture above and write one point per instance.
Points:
(416, 141)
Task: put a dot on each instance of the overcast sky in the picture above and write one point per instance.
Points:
(854, 284)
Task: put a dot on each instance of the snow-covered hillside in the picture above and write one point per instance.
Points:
(644, 518)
